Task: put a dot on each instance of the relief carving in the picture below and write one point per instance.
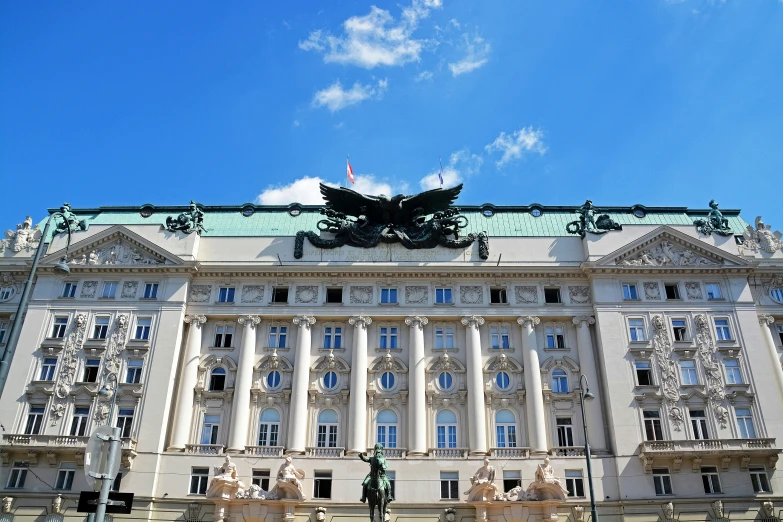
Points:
(129, 289)
(88, 289)
(200, 293)
(716, 391)
(360, 294)
(579, 294)
(666, 253)
(652, 291)
(253, 293)
(760, 238)
(306, 294)
(471, 294)
(693, 290)
(67, 373)
(662, 347)
(117, 254)
(111, 364)
(526, 294)
(416, 294)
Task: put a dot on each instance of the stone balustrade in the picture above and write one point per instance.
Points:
(334, 453)
(56, 441)
(265, 451)
(568, 451)
(510, 453)
(705, 446)
(204, 449)
(448, 453)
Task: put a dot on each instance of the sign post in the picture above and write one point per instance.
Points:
(102, 465)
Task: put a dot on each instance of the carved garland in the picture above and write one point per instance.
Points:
(67, 373)
(662, 347)
(111, 364)
(716, 391)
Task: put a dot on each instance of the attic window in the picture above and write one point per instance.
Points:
(248, 211)
(488, 212)
(146, 211)
(294, 210)
(639, 212)
(536, 212)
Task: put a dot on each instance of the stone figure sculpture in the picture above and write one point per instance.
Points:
(57, 504)
(717, 507)
(25, 237)
(588, 222)
(225, 482)
(768, 509)
(187, 222)
(288, 474)
(7, 503)
(546, 485)
(376, 487)
(668, 511)
(482, 483)
(761, 238)
(66, 221)
(715, 222)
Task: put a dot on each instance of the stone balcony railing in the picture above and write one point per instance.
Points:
(448, 453)
(54, 445)
(510, 453)
(265, 451)
(568, 451)
(325, 452)
(204, 449)
(391, 453)
(725, 449)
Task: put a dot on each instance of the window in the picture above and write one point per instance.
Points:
(672, 290)
(780, 327)
(511, 480)
(499, 338)
(574, 483)
(330, 380)
(710, 479)
(445, 380)
(722, 329)
(3, 330)
(18, 475)
(261, 478)
(115, 486)
(759, 479)
(776, 294)
(388, 296)
(217, 379)
(91, 367)
(636, 330)
(745, 423)
(713, 291)
(58, 328)
(629, 292)
(443, 296)
(506, 429)
(644, 376)
(269, 427)
(273, 379)
(150, 291)
(226, 294)
(699, 424)
(559, 381)
(392, 476)
(502, 380)
(444, 338)
(387, 337)
(6, 292)
(334, 295)
(224, 335)
(280, 294)
(387, 380)
(552, 295)
(64, 479)
(333, 337)
(662, 481)
(680, 330)
(498, 296)
(733, 373)
(47, 368)
(277, 336)
(449, 485)
(79, 422)
(322, 484)
(327, 429)
(652, 425)
(101, 328)
(109, 290)
(555, 337)
(69, 290)
(133, 374)
(34, 420)
(446, 421)
(387, 429)
(210, 429)
(143, 325)
(198, 481)
(125, 421)
(565, 432)
(688, 372)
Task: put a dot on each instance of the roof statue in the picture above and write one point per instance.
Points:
(760, 238)
(588, 222)
(715, 222)
(364, 221)
(69, 221)
(187, 222)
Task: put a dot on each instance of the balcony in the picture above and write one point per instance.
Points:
(56, 445)
(204, 449)
(510, 453)
(675, 450)
(448, 453)
(264, 451)
(325, 453)
(391, 453)
(568, 451)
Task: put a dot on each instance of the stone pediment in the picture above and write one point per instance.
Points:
(114, 247)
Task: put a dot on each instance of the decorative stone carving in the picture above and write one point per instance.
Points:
(200, 293)
(360, 321)
(117, 254)
(472, 321)
(578, 513)
(588, 222)
(88, 289)
(289, 481)
(25, 237)
(304, 320)
(693, 290)
(471, 294)
(129, 289)
(579, 294)
(526, 294)
(360, 294)
(668, 511)
(320, 514)
(253, 293)
(768, 509)
(196, 320)
(111, 364)
(482, 484)
(7, 281)
(255, 492)
(583, 319)
(225, 484)
(67, 373)
(546, 486)
(450, 514)
(715, 222)
(249, 321)
(188, 222)
(7, 503)
(523, 321)
(416, 294)
(662, 348)
(416, 321)
(667, 253)
(760, 238)
(57, 504)
(716, 391)
(652, 291)
(306, 294)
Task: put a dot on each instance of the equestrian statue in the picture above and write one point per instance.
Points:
(376, 486)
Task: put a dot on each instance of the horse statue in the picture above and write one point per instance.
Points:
(376, 487)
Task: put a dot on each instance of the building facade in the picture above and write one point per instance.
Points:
(246, 340)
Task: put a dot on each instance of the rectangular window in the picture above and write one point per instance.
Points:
(327, 436)
(672, 290)
(59, 326)
(47, 368)
(699, 424)
(18, 475)
(387, 335)
(688, 372)
(449, 485)
(261, 478)
(150, 290)
(745, 423)
(574, 483)
(629, 292)
(552, 295)
(392, 476)
(79, 422)
(125, 421)
(69, 290)
(444, 338)
(499, 338)
(133, 374)
(322, 484)
(636, 330)
(644, 376)
(101, 328)
(388, 295)
(6, 292)
(780, 333)
(224, 334)
(91, 367)
(733, 373)
(143, 325)
(652, 425)
(565, 432)
(64, 479)
(277, 336)
(555, 337)
(226, 294)
(109, 289)
(722, 329)
(280, 295)
(680, 330)
(34, 420)
(713, 291)
(210, 429)
(115, 486)
(334, 295)
(3, 331)
(447, 436)
(443, 296)
(710, 479)
(511, 480)
(267, 433)
(498, 296)
(759, 479)
(199, 477)
(333, 337)
(387, 435)
(662, 481)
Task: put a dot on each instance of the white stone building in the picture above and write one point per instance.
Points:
(225, 343)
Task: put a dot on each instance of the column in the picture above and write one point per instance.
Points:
(357, 421)
(534, 394)
(187, 382)
(417, 387)
(297, 421)
(766, 321)
(593, 409)
(241, 408)
(477, 425)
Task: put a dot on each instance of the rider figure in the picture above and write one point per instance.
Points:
(378, 459)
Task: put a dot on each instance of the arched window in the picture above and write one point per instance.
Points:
(387, 380)
(506, 429)
(387, 429)
(559, 381)
(502, 380)
(445, 380)
(269, 427)
(217, 379)
(273, 379)
(330, 380)
(446, 422)
(327, 429)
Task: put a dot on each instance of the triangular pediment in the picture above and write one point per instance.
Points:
(666, 247)
(114, 247)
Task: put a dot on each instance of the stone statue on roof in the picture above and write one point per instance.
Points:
(715, 222)
(69, 222)
(187, 222)
(588, 222)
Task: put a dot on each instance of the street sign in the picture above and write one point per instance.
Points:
(118, 502)
(96, 455)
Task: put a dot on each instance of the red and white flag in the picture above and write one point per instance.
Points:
(349, 171)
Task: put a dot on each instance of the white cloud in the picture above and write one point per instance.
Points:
(336, 98)
(476, 55)
(296, 123)
(375, 39)
(461, 164)
(455, 23)
(515, 145)
(427, 75)
(305, 190)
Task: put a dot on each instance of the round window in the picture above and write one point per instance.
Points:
(248, 211)
(146, 211)
(536, 212)
(6, 293)
(488, 212)
(639, 212)
(330, 380)
(387, 380)
(502, 380)
(294, 211)
(775, 293)
(445, 380)
(273, 379)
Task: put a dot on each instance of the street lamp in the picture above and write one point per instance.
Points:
(584, 394)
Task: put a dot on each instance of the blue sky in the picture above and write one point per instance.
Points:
(652, 101)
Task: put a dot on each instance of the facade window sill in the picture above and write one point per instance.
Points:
(445, 350)
(554, 304)
(443, 304)
(498, 304)
(225, 303)
(96, 343)
(632, 300)
(646, 387)
(384, 350)
(388, 304)
(279, 349)
(66, 298)
(326, 303)
(557, 350)
(501, 350)
(148, 298)
(278, 304)
(111, 298)
(138, 343)
(222, 348)
(330, 349)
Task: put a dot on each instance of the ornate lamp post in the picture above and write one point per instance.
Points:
(584, 394)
